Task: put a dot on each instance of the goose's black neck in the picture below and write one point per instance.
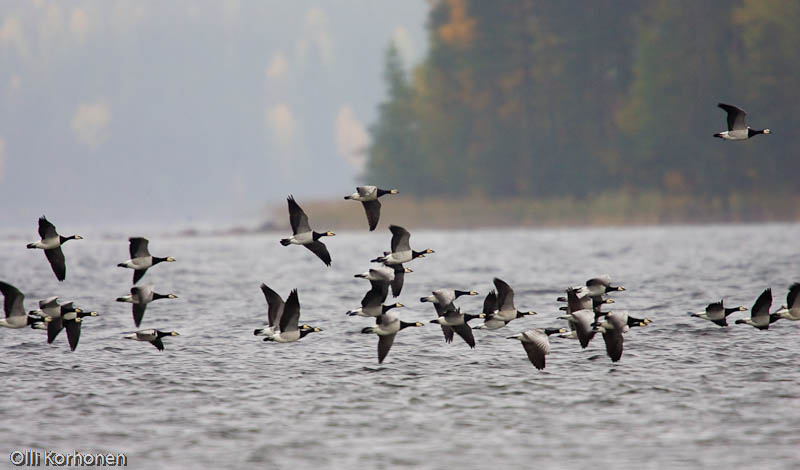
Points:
(381, 192)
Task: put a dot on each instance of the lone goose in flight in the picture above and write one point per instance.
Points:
(140, 296)
(51, 244)
(13, 305)
(791, 311)
(759, 315)
(152, 336)
(303, 235)
(737, 129)
(141, 259)
(289, 331)
(401, 249)
(717, 313)
(386, 327)
(368, 196)
(615, 324)
(537, 343)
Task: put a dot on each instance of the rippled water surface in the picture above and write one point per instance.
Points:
(686, 394)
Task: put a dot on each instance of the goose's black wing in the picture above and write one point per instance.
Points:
(274, 305)
(384, 345)
(400, 239)
(490, 303)
(373, 210)
(56, 258)
(54, 327)
(735, 117)
(138, 313)
(138, 274)
(792, 296)
(138, 247)
(291, 313)
(158, 344)
(297, 218)
(613, 339)
(465, 332)
(319, 249)
(73, 328)
(505, 295)
(762, 305)
(46, 229)
(535, 354)
(13, 301)
(399, 277)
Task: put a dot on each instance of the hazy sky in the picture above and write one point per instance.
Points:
(115, 110)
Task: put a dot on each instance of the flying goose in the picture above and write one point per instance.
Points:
(442, 300)
(368, 196)
(791, 311)
(141, 259)
(303, 235)
(537, 343)
(379, 278)
(579, 298)
(759, 315)
(72, 323)
(458, 322)
(54, 315)
(717, 313)
(152, 336)
(401, 249)
(506, 311)
(386, 327)
(581, 321)
(601, 285)
(275, 306)
(372, 305)
(13, 305)
(737, 129)
(140, 296)
(612, 329)
(289, 331)
(51, 244)
(445, 297)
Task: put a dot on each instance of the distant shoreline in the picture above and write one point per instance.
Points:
(608, 209)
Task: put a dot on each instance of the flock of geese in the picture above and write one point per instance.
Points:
(583, 309)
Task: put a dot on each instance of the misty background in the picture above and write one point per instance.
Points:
(123, 112)
(141, 111)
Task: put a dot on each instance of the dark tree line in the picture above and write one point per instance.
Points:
(545, 99)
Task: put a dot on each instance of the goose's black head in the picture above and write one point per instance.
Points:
(71, 237)
(157, 296)
(381, 192)
(386, 308)
(459, 293)
(552, 331)
(406, 325)
(752, 132)
(309, 330)
(318, 235)
(168, 259)
(525, 314)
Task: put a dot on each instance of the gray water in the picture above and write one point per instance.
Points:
(686, 394)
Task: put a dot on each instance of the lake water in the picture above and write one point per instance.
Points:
(686, 394)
